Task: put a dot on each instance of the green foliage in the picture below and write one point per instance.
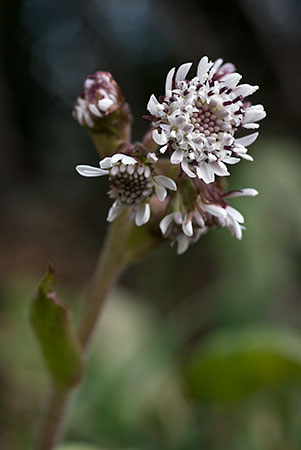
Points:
(78, 447)
(51, 322)
(234, 363)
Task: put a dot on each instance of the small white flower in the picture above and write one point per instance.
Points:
(133, 183)
(179, 228)
(198, 118)
(185, 227)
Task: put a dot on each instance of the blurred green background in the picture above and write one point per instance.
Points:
(201, 351)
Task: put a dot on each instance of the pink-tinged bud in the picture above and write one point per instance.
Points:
(102, 109)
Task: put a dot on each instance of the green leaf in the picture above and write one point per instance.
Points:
(51, 322)
(233, 364)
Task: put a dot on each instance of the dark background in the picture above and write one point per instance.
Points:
(221, 290)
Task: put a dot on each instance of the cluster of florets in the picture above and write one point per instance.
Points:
(100, 97)
(133, 182)
(207, 209)
(197, 119)
(195, 123)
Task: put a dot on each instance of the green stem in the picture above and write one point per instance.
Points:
(54, 419)
(111, 263)
(113, 259)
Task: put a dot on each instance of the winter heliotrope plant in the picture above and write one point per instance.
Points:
(168, 187)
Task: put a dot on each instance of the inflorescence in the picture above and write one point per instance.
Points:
(195, 123)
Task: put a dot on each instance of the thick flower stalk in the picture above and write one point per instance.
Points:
(196, 120)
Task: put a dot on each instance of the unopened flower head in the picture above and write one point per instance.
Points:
(133, 182)
(196, 119)
(100, 97)
(186, 223)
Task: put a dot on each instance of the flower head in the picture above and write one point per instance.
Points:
(196, 119)
(186, 223)
(101, 96)
(133, 182)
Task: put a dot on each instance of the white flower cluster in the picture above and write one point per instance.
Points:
(185, 227)
(195, 122)
(100, 97)
(197, 119)
(133, 183)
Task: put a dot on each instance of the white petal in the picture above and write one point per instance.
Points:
(159, 138)
(89, 171)
(125, 159)
(247, 140)
(187, 227)
(230, 160)
(186, 169)
(178, 217)
(153, 105)
(115, 211)
(104, 104)
(251, 126)
(232, 79)
(105, 163)
(165, 222)
(249, 192)
(254, 113)
(183, 244)
(219, 168)
(236, 214)
(128, 160)
(183, 71)
(88, 119)
(95, 110)
(247, 157)
(245, 90)
(117, 157)
(199, 219)
(216, 211)
(177, 156)
(242, 192)
(203, 67)
(161, 192)
(166, 182)
(169, 78)
(147, 213)
(204, 172)
(151, 158)
(163, 149)
(218, 63)
(234, 227)
(142, 214)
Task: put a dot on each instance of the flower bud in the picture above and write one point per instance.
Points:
(102, 109)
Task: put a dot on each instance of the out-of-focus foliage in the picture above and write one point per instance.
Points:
(78, 447)
(234, 364)
(52, 324)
